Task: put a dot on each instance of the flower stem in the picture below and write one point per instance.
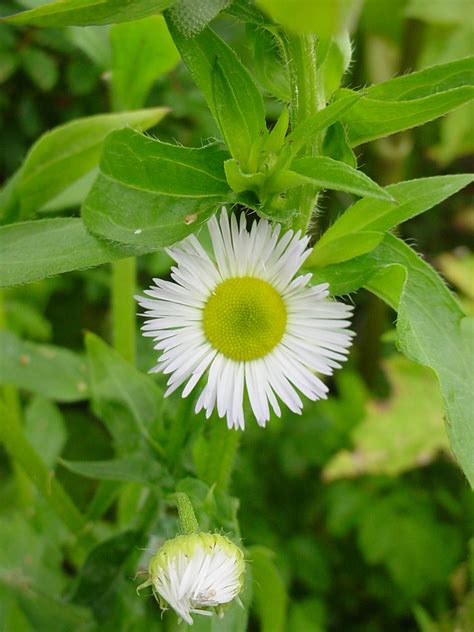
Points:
(123, 307)
(307, 97)
(187, 520)
(222, 449)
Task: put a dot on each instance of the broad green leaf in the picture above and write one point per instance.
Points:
(333, 57)
(389, 441)
(45, 429)
(41, 67)
(142, 51)
(336, 145)
(405, 102)
(327, 173)
(323, 17)
(50, 371)
(37, 249)
(373, 118)
(344, 248)
(9, 199)
(152, 194)
(270, 69)
(354, 232)
(86, 12)
(190, 20)
(94, 41)
(63, 155)
(72, 197)
(426, 82)
(128, 402)
(432, 331)
(233, 116)
(140, 468)
(431, 326)
(270, 596)
(103, 572)
(305, 132)
(237, 93)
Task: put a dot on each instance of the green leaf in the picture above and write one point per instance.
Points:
(140, 468)
(234, 117)
(333, 57)
(270, 70)
(9, 199)
(190, 20)
(327, 173)
(53, 372)
(45, 429)
(431, 326)
(37, 249)
(405, 102)
(305, 132)
(85, 12)
(128, 402)
(142, 51)
(236, 94)
(356, 230)
(432, 331)
(270, 596)
(152, 194)
(388, 441)
(344, 248)
(103, 572)
(336, 145)
(41, 67)
(63, 155)
(301, 16)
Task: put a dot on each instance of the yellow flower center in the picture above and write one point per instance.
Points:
(244, 318)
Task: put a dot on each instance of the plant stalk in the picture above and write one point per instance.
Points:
(307, 97)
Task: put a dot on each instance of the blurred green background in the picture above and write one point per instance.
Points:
(370, 520)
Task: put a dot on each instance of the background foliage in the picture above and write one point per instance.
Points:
(354, 516)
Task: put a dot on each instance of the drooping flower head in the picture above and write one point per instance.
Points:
(192, 573)
(242, 317)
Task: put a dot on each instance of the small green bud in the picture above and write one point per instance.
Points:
(197, 572)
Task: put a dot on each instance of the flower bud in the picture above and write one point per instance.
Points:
(193, 573)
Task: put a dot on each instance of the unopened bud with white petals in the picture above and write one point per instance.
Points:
(196, 573)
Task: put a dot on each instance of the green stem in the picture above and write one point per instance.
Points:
(221, 452)
(23, 453)
(187, 520)
(307, 97)
(124, 307)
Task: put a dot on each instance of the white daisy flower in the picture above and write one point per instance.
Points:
(194, 572)
(245, 319)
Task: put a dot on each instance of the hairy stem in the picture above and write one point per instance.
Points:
(306, 99)
(123, 307)
(187, 520)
